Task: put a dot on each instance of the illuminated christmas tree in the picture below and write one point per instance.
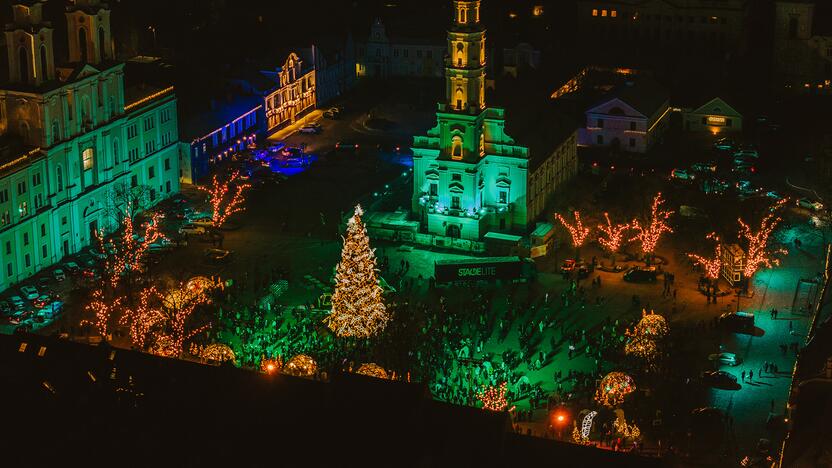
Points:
(357, 307)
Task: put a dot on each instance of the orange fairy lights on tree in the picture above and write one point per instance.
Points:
(614, 234)
(577, 231)
(758, 254)
(711, 265)
(143, 318)
(494, 398)
(103, 310)
(226, 197)
(130, 251)
(651, 232)
(177, 307)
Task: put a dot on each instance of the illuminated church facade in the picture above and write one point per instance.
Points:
(469, 175)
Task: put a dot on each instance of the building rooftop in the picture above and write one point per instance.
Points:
(107, 403)
(644, 94)
(222, 111)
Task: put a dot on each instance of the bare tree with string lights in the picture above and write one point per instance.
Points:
(611, 236)
(577, 231)
(652, 229)
(226, 197)
(711, 265)
(759, 254)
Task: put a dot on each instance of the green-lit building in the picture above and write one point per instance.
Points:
(470, 177)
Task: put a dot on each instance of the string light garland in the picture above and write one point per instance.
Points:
(372, 369)
(223, 203)
(643, 341)
(614, 234)
(630, 431)
(301, 366)
(143, 317)
(758, 254)
(103, 310)
(650, 233)
(613, 388)
(493, 398)
(577, 231)
(357, 306)
(711, 265)
(129, 253)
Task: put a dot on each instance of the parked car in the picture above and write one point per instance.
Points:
(311, 128)
(641, 275)
(20, 316)
(746, 152)
(191, 229)
(724, 144)
(29, 292)
(5, 308)
(737, 321)
(719, 379)
(161, 245)
(72, 268)
(681, 174)
(774, 195)
(332, 113)
(43, 282)
(41, 301)
(744, 188)
(204, 221)
(809, 204)
(728, 359)
(16, 302)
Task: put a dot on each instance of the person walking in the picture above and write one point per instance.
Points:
(743, 376)
(750, 375)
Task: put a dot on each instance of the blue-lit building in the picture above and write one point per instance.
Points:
(214, 134)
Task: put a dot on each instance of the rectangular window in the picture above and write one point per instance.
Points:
(167, 186)
(43, 229)
(134, 180)
(36, 180)
(134, 154)
(456, 177)
(9, 269)
(503, 197)
(167, 164)
(8, 248)
(604, 13)
(434, 190)
(131, 131)
(87, 157)
(21, 188)
(25, 238)
(44, 250)
(594, 12)
(454, 203)
(149, 123)
(23, 209)
(28, 261)
(151, 172)
(63, 221)
(614, 13)
(165, 115)
(38, 201)
(149, 147)
(4, 196)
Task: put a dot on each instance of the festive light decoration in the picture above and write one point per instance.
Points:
(494, 398)
(130, 251)
(143, 317)
(626, 430)
(223, 203)
(103, 310)
(613, 388)
(614, 234)
(177, 306)
(301, 366)
(357, 307)
(270, 366)
(577, 437)
(651, 232)
(758, 254)
(373, 370)
(218, 352)
(586, 424)
(578, 232)
(711, 265)
(643, 341)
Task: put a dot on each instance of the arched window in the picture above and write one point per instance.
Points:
(56, 131)
(24, 130)
(82, 44)
(85, 110)
(456, 147)
(44, 67)
(459, 97)
(59, 178)
(101, 44)
(24, 65)
(115, 152)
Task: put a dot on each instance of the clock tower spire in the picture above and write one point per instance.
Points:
(465, 67)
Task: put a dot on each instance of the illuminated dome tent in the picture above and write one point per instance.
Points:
(301, 366)
(218, 352)
(373, 370)
(613, 388)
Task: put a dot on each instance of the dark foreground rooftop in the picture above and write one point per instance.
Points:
(73, 404)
